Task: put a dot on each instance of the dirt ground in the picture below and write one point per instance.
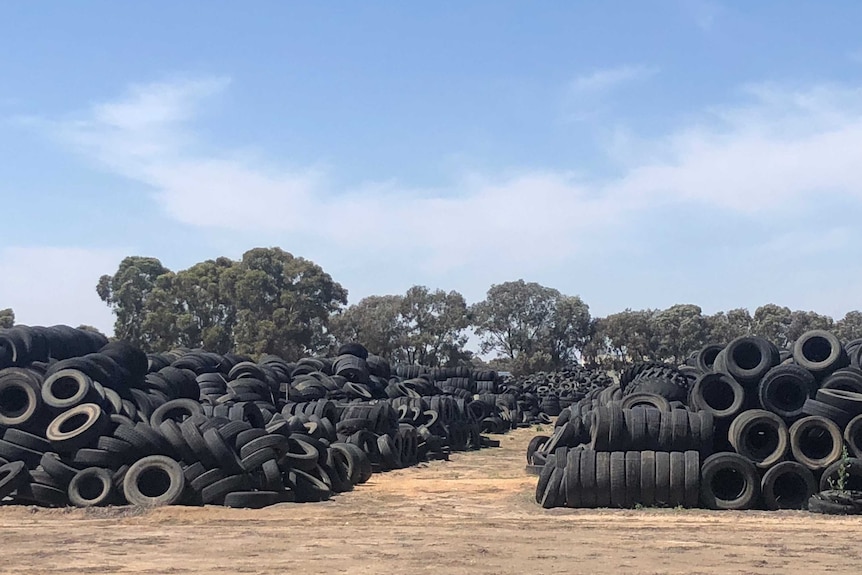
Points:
(473, 514)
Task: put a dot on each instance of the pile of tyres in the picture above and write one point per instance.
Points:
(545, 394)
(741, 426)
(88, 422)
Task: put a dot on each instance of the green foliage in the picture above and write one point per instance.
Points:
(773, 322)
(375, 321)
(127, 293)
(423, 326)
(192, 308)
(535, 327)
(671, 335)
(725, 326)
(268, 302)
(434, 324)
(625, 336)
(849, 327)
(843, 472)
(679, 330)
(7, 318)
(273, 302)
(283, 303)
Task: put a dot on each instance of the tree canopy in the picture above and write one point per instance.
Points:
(536, 327)
(267, 302)
(7, 318)
(271, 301)
(422, 326)
(127, 293)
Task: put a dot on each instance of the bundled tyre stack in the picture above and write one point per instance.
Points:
(87, 422)
(769, 427)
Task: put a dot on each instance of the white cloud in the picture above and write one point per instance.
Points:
(589, 95)
(56, 285)
(771, 156)
(760, 157)
(609, 78)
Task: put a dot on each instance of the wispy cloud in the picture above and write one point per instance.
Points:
(589, 95)
(610, 78)
(767, 159)
(779, 145)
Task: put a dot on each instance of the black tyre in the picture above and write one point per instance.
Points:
(848, 401)
(91, 487)
(153, 481)
(20, 400)
(587, 478)
(76, 428)
(647, 482)
(787, 485)
(747, 359)
(836, 503)
(572, 483)
(784, 389)
(760, 436)
(816, 442)
(719, 394)
(820, 352)
(12, 476)
(662, 478)
(251, 499)
(729, 481)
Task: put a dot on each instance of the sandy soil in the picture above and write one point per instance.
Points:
(474, 514)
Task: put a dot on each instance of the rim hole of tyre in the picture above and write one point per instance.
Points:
(154, 482)
(710, 355)
(65, 387)
(761, 440)
(718, 395)
(817, 349)
(13, 401)
(789, 395)
(747, 356)
(790, 490)
(73, 423)
(816, 443)
(728, 484)
(91, 488)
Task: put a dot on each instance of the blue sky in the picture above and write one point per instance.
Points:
(638, 154)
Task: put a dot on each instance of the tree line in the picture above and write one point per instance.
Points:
(270, 301)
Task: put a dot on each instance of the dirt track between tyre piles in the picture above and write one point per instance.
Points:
(474, 514)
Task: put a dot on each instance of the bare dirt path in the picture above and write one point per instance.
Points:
(474, 514)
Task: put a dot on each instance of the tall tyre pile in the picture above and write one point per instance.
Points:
(763, 428)
(86, 422)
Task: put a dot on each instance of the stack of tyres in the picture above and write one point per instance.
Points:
(785, 423)
(635, 456)
(88, 422)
